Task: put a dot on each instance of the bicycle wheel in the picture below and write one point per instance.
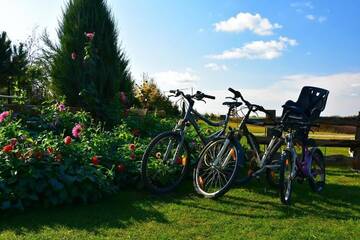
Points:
(272, 174)
(249, 164)
(217, 167)
(317, 171)
(285, 178)
(165, 162)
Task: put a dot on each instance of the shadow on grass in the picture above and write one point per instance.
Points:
(124, 209)
(118, 211)
(337, 201)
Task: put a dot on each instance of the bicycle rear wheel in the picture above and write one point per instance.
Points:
(272, 174)
(249, 164)
(317, 171)
(165, 162)
(285, 178)
(217, 167)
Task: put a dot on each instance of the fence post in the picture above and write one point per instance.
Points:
(356, 159)
(270, 115)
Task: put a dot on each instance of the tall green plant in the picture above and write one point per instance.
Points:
(13, 65)
(89, 67)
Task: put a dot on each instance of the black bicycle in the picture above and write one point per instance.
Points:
(297, 120)
(223, 159)
(167, 158)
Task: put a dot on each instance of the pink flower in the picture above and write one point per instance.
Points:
(61, 107)
(123, 98)
(90, 35)
(73, 56)
(4, 115)
(76, 130)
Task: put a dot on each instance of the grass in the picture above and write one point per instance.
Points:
(243, 213)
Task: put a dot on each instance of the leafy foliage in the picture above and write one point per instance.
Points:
(149, 96)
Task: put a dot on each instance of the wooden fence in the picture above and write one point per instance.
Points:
(354, 145)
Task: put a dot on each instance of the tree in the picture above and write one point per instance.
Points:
(5, 60)
(88, 66)
(150, 97)
(13, 65)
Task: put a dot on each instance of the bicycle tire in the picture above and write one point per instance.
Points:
(318, 157)
(285, 186)
(151, 184)
(228, 182)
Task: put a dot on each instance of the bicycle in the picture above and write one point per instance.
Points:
(296, 122)
(167, 157)
(222, 158)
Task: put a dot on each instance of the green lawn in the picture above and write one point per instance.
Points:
(243, 213)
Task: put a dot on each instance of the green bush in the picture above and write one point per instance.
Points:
(60, 157)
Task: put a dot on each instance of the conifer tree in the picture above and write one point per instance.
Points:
(89, 67)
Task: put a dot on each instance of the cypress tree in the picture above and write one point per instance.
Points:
(89, 68)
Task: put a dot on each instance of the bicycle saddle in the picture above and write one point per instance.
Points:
(232, 104)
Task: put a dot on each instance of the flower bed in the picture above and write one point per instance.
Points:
(59, 157)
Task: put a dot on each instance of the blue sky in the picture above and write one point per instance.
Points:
(267, 49)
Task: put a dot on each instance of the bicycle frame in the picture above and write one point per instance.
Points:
(190, 119)
(274, 144)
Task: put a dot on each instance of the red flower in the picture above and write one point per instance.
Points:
(50, 150)
(95, 160)
(8, 148)
(73, 56)
(132, 147)
(120, 168)
(90, 35)
(132, 156)
(67, 140)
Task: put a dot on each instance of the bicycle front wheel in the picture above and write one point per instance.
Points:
(217, 167)
(165, 162)
(285, 178)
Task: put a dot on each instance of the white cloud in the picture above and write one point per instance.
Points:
(319, 19)
(216, 67)
(310, 17)
(322, 19)
(174, 79)
(247, 21)
(343, 99)
(258, 50)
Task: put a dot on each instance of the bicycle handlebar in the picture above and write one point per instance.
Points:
(197, 96)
